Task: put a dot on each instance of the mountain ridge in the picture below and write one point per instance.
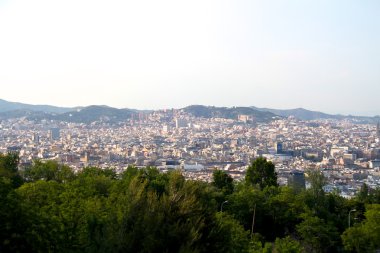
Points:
(93, 113)
(6, 106)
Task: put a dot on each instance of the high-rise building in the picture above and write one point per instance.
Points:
(378, 129)
(36, 138)
(54, 134)
(179, 123)
(296, 179)
(278, 147)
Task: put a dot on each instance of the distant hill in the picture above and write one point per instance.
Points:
(303, 114)
(228, 112)
(95, 113)
(6, 106)
(29, 114)
(300, 113)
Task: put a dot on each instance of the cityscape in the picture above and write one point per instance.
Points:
(347, 152)
(234, 126)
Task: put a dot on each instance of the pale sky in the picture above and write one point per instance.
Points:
(321, 55)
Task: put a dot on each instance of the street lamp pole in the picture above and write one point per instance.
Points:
(221, 206)
(349, 217)
(253, 220)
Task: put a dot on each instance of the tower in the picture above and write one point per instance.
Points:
(36, 138)
(378, 129)
(54, 134)
(296, 179)
(278, 147)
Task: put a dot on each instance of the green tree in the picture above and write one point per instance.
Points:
(262, 173)
(233, 237)
(13, 219)
(222, 181)
(48, 171)
(363, 194)
(315, 196)
(317, 181)
(365, 236)
(41, 201)
(284, 208)
(317, 235)
(287, 245)
(9, 168)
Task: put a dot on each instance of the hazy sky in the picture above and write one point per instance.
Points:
(322, 55)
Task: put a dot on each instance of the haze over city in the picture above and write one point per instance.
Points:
(320, 55)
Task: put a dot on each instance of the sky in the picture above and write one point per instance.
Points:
(321, 55)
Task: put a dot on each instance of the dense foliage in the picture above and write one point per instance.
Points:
(48, 208)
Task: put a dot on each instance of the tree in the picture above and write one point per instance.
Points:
(262, 173)
(284, 208)
(233, 236)
(40, 200)
(363, 194)
(223, 182)
(287, 245)
(318, 235)
(365, 236)
(48, 171)
(9, 168)
(13, 219)
(317, 181)
(315, 196)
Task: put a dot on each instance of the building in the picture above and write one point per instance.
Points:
(180, 123)
(165, 128)
(54, 134)
(243, 118)
(296, 179)
(278, 147)
(14, 149)
(36, 138)
(378, 129)
(374, 164)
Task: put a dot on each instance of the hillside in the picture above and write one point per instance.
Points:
(304, 114)
(228, 113)
(95, 113)
(6, 106)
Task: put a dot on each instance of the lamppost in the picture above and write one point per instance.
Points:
(253, 220)
(349, 217)
(221, 206)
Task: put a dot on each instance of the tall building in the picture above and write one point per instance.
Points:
(278, 147)
(296, 179)
(36, 138)
(179, 123)
(54, 134)
(378, 129)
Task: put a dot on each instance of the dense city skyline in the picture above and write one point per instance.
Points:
(321, 55)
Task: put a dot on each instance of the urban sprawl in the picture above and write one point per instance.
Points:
(348, 154)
